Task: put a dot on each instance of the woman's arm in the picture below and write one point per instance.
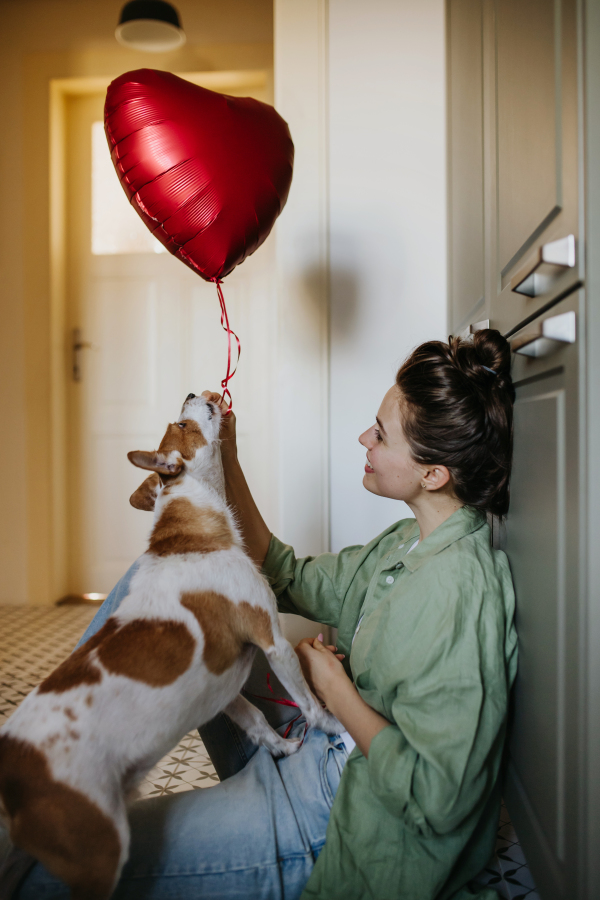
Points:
(255, 533)
(327, 678)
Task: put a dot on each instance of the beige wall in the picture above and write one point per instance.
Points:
(41, 40)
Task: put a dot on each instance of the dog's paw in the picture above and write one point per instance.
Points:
(325, 721)
(279, 746)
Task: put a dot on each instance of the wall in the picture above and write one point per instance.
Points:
(41, 40)
(387, 216)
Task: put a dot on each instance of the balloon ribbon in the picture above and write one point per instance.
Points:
(282, 702)
(225, 327)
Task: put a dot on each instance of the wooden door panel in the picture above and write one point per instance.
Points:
(542, 546)
(529, 151)
(465, 138)
(535, 557)
(534, 149)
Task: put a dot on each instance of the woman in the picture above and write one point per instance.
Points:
(427, 655)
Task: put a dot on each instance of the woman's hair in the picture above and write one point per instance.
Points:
(457, 401)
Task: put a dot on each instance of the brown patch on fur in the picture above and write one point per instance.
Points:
(154, 651)
(186, 437)
(70, 714)
(184, 528)
(89, 700)
(145, 496)
(227, 627)
(78, 668)
(66, 831)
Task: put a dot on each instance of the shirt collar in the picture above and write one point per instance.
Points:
(458, 525)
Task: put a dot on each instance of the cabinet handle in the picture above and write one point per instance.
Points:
(551, 334)
(553, 259)
(479, 326)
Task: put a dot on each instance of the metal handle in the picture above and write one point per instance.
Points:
(76, 347)
(553, 259)
(551, 334)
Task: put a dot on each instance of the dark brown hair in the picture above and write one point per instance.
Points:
(457, 401)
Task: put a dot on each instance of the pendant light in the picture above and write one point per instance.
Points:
(150, 25)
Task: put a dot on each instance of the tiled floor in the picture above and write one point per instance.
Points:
(34, 640)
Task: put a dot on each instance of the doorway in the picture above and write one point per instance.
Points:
(139, 332)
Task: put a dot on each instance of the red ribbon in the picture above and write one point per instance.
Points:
(225, 327)
(282, 702)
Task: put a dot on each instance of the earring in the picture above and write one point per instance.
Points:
(423, 485)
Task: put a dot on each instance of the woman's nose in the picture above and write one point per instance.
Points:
(364, 439)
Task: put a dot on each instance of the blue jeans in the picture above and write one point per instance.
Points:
(256, 834)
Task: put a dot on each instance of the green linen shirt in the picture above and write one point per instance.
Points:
(435, 653)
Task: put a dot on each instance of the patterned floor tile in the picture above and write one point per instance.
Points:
(34, 640)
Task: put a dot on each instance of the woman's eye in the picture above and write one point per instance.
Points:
(378, 435)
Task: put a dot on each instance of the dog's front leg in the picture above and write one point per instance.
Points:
(258, 729)
(287, 668)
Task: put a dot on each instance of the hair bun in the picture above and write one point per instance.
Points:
(486, 358)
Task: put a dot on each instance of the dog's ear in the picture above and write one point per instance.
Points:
(155, 462)
(145, 496)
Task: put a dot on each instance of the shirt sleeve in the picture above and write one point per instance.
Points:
(313, 587)
(420, 764)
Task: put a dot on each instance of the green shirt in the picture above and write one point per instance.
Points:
(436, 654)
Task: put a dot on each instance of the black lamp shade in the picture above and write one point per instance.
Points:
(150, 9)
(150, 25)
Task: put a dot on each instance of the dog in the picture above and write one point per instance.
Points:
(175, 654)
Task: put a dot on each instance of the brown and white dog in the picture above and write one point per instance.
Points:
(177, 652)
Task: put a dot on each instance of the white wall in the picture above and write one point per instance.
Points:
(387, 219)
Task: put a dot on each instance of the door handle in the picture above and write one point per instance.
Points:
(77, 345)
(551, 334)
(553, 259)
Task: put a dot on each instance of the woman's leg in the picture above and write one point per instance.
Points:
(254, 836)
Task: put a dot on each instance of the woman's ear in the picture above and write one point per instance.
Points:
(435, 477)
(145, 496)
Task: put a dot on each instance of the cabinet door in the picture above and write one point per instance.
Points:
(465, 162)
(541, 540)
(536, 125)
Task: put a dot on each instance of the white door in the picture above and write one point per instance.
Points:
(154, 335)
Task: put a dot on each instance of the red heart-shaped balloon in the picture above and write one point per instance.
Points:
(207, 173)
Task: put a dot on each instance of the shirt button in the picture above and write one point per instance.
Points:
(398, 565)
(389, 579)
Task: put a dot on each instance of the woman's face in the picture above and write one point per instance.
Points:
(390, 470)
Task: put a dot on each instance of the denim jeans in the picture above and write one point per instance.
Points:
(256, 834)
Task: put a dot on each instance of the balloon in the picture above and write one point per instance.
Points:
(207, 173)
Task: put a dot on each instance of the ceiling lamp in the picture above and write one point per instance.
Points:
(150, 25)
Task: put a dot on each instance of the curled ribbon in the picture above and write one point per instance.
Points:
(225, 327)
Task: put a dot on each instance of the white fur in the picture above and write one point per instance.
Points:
(130, 725)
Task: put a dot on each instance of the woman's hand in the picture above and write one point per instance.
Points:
(326, 676)
(322, 668)
(227, 432)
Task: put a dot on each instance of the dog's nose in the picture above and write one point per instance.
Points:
(190, 397)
